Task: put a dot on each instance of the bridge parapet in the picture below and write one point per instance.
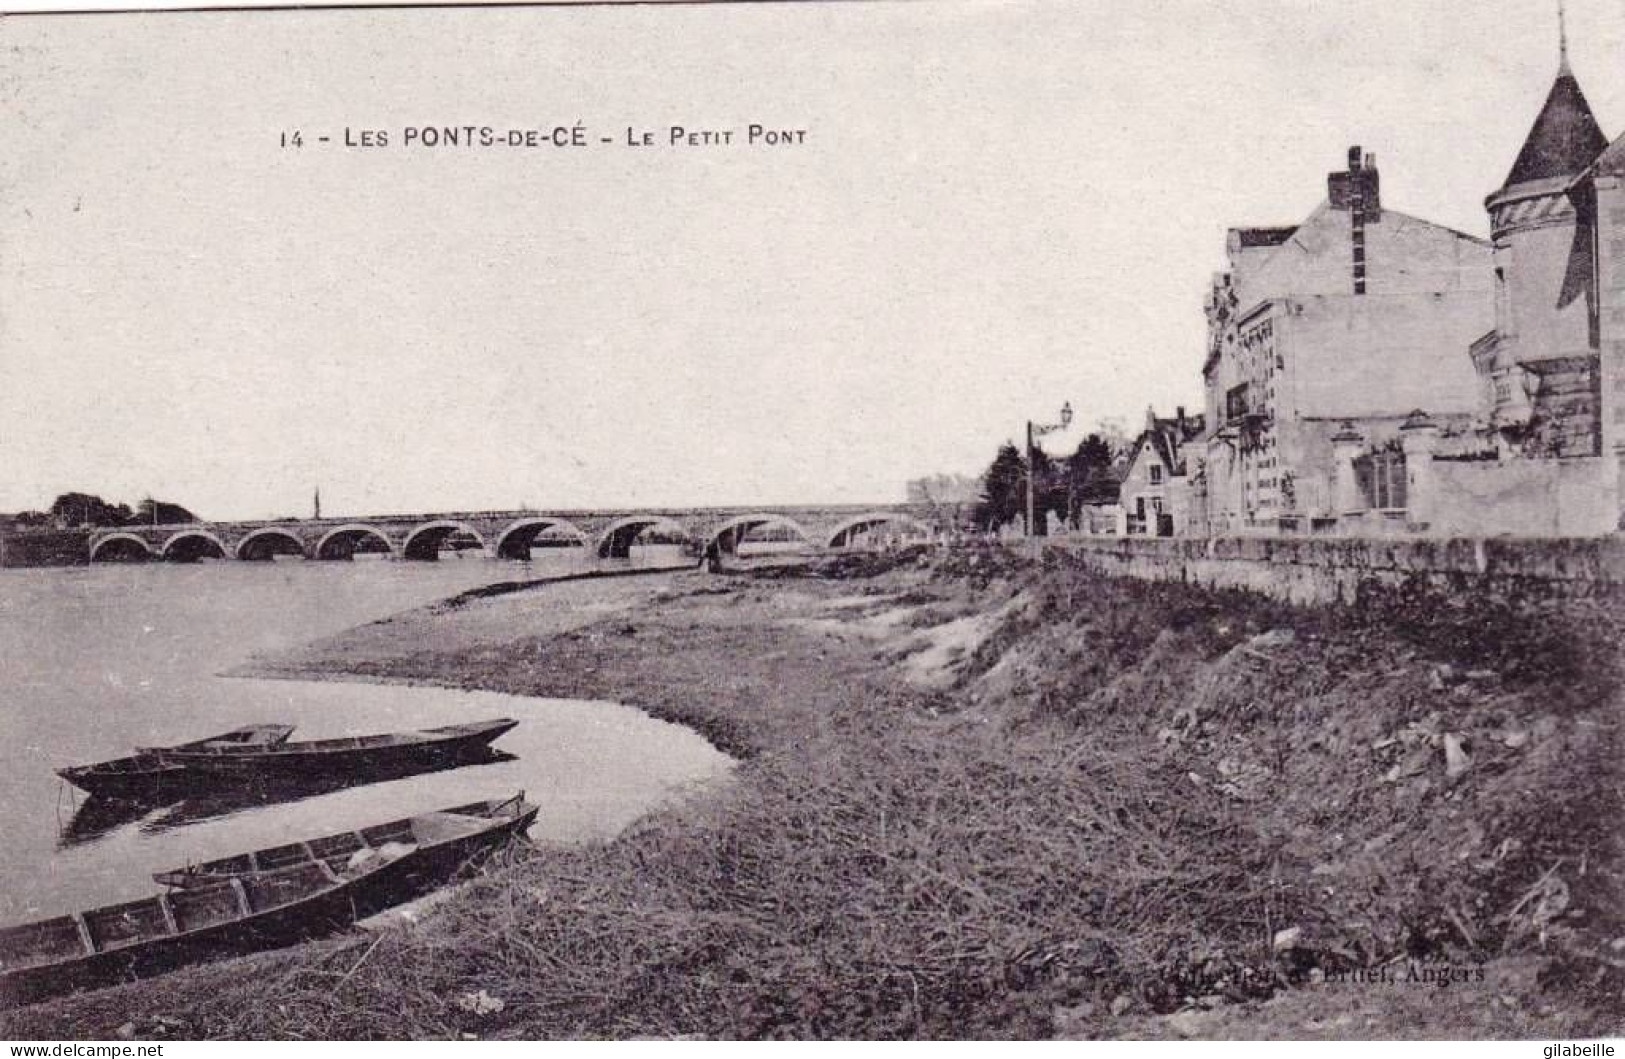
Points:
(510, 534)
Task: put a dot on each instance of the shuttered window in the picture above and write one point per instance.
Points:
(1381, 477)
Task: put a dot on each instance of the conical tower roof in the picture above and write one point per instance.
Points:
(1565, 138)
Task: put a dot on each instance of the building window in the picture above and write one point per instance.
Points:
(1381, 477)
(1235, 402)
(1156, 474)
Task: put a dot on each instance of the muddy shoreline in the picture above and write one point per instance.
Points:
(979, 798)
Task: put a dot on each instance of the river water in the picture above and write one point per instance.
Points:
(95, 660)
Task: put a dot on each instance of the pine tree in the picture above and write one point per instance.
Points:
(1089, 476)
(1003, 489)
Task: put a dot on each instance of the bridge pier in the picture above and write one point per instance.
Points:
(505, 535)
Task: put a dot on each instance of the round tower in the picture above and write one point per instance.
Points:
(1543, 268)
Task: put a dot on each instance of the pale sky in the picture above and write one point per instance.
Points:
(997, 207)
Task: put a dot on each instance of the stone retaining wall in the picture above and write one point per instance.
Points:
(1324, 570)
(45, 548)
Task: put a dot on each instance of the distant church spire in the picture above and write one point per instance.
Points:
(1562, 41)
(318, 502)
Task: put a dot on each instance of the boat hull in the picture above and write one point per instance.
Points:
(146, 777)
(138, 778)
(290, 760)
(315, 917)
(327, 912)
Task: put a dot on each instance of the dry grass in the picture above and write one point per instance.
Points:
(1123, 799)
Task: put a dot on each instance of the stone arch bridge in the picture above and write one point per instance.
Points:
(513, 534)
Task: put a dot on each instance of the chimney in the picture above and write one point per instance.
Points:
(1357, 217)
(1360, 178)
(1357, 190)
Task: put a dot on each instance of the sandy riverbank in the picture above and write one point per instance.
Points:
(978, 799)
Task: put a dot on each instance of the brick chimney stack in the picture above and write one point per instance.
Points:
(1357, 190)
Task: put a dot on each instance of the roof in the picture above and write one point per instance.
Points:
(1565, 138)
(1612, 161)
(1167, 438)
(1248, 238)
(1290, 270)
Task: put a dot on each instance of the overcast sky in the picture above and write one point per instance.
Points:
(997, 207)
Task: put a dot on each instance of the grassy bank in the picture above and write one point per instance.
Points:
(982, 798)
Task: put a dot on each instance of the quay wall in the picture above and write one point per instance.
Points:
(69, 547)
(1331, 570)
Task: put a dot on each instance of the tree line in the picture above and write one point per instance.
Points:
(71, 510)
(1061, 488)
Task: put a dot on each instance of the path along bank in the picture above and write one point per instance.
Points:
(982, 797)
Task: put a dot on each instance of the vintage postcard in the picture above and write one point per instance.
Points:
(812, 521)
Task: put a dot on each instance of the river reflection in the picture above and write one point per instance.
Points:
(95, 661)
(97, 816)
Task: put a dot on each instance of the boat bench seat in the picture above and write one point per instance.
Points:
(280, 888)
(126, 924)
(42, 942)
(204, 906)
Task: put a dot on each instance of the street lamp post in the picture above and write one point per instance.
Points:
(1034, 432)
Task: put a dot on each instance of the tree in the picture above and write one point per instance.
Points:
(1118, 440)
(167, 514)
(951, 497)
(1089, 476)
(85, 509)
(1003, 489)
(1049, 490)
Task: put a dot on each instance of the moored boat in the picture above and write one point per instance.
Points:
(145, 776)
(223, 912)
(424, 748)
(336, 849)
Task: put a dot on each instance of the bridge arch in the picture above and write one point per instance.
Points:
(342, 542)
(424, 542)
(268, 542)
(190, 545)
(731, 533)
(120, 547)
(616, 541)
(842, 535)
(516, 539)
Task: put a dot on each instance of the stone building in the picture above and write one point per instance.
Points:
(1154, 496)
(1551, 372)
(1327, 331)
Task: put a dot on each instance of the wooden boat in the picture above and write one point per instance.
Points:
(144, 776)
(200, 799)
(360, 754)
(336, 849)
(218, 912)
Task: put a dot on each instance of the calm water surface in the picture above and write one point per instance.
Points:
(95, 660)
